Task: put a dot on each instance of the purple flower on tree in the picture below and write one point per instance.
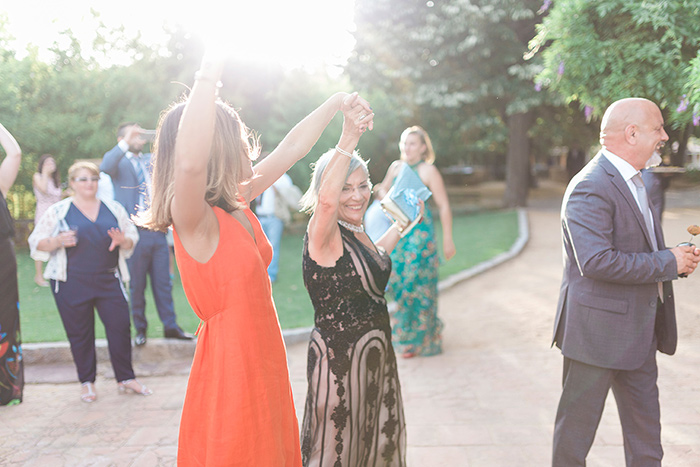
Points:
(560, 71)
(696, 119)
(588, 112)
(545, 6)
(538, 87)
(683, 105)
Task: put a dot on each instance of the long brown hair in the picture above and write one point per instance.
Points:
(56, 175)
(231, 140)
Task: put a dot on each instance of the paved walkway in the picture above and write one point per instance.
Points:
(488, 401)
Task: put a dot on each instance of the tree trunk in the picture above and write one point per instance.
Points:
(518, 160)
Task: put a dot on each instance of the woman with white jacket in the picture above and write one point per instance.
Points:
(86, 241)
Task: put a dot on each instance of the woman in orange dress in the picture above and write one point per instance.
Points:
(238, 409)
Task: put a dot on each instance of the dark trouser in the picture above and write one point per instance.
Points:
(76, 300)
(151, 257)
(581, 407)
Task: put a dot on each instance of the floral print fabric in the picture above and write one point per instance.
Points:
(416, 328)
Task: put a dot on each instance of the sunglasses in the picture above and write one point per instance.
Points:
(87, 179)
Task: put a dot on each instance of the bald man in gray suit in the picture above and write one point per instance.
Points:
(616, 304)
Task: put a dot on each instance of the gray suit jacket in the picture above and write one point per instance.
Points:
(607, 313)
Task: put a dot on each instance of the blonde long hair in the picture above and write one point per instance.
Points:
(429, 154)
(224, 170)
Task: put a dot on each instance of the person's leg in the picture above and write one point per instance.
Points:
(76, 307)
(171, 253)
(114, 314)
(39, 274)
(585, 388)
(273, 228)
(161, 284)
(138, 268)
(171, 268)
(637, 397)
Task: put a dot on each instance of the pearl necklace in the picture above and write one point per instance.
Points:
(355, 228)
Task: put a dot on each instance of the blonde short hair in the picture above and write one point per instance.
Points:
(80, 165)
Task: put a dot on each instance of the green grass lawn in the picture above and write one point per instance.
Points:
(478, 237)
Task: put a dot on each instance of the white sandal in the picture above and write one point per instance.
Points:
(127, 387)
(90, 395)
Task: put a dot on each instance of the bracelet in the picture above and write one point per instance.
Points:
(343, 151)
(199, 76)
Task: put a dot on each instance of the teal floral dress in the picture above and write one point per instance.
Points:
(416, 328)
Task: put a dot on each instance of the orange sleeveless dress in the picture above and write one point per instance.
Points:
(238, 409)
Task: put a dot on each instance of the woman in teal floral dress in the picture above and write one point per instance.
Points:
(416, 329)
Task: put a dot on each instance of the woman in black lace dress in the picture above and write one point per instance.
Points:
(354, 412)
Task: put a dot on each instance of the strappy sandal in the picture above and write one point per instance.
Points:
(87, 392)
(131, 386)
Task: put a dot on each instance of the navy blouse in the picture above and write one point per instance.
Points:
(91, 255)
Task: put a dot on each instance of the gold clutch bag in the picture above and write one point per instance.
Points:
(402, 201)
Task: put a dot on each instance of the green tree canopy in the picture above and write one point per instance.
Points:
(457, 68)
(598, 52)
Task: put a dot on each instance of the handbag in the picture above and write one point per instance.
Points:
(401, 202)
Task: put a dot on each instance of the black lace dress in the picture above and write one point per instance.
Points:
(354, 412)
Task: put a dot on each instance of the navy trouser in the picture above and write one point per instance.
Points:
(76, 300)
(151, 257)
(273, 227)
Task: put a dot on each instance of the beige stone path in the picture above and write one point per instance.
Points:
(488, 401)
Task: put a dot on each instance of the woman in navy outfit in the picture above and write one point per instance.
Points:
(86, 242)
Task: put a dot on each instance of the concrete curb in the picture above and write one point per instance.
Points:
(161, 349)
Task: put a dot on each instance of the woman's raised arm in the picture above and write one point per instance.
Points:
(10, 165)
(300, 140)
(325, 244)
(193, 144)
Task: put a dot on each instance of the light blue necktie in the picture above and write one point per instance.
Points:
(646, 212)
(142, 187)
(140, 176)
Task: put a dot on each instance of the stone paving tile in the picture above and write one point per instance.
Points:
(438, 456)
(682, 456)
(505, 455)
(448, 434)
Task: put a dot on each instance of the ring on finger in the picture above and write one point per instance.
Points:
(362, 117)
